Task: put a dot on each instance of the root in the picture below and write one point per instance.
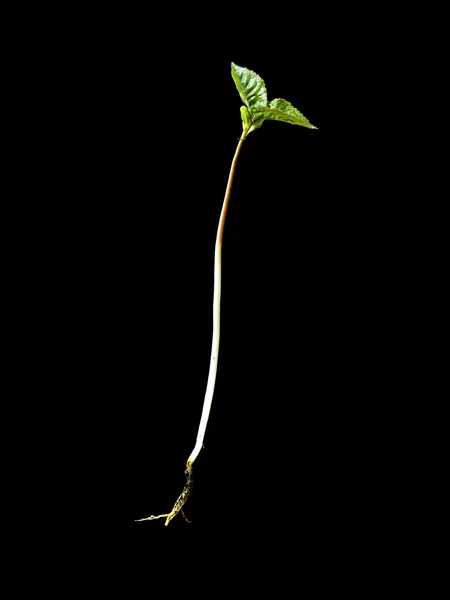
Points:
(182, 498)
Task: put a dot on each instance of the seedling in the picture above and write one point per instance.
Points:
(257, 109)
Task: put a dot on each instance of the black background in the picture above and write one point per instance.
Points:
(135, 126)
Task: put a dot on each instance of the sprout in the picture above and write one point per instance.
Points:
(253, 93)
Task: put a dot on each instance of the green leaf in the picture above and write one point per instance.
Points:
(250, 86)
(250, 122)
(282, 110)
(253, 93)
(257, 121)
(246, 118)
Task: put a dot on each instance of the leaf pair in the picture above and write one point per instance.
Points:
(253, 93)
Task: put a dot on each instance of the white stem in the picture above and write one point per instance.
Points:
(216, 316)
(182, 498)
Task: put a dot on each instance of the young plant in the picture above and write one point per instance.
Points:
(255, 111)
